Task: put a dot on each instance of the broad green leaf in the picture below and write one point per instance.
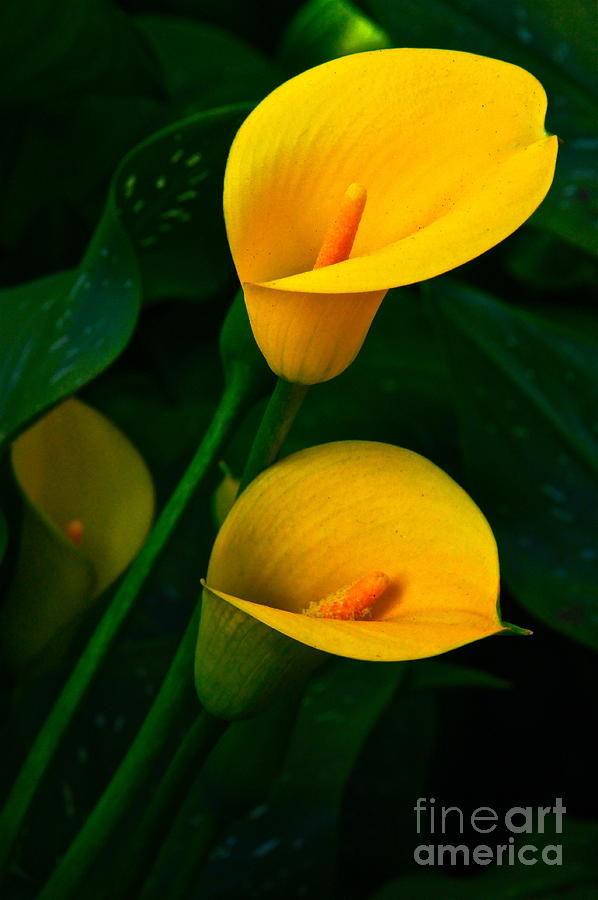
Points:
(540, 260)
(395, 391)
(571, 207)
(59, 47)
(168, 191)
(294, 836)
(525, 390)
(326, 29)
(554, 41)
(47, 188)
(205, 66)
(434, 673)
(61, 331)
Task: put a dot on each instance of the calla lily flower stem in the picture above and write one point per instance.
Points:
(238, 394)
(199, 740)
(278, 417)
(171, 704)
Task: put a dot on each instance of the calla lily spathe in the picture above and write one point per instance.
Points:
(340, 514)
(452, 153)
(88, 505)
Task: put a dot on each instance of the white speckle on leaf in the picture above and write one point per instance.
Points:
(69, 800)
(177, 155)
(119, 723)
(201, 176)
(561, 52)
(130, 185)
(160, 182)
(80, 281)
(187, 195)
(179, 214)
(58, 343)
(21, 363)
(258, 811)
(265, 848)
(588, 554)
(554, 493)
(524, 34)
(193, 160)
(57, 376)
(563, 515)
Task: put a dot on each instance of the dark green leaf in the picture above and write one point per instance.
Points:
(433, 673)
(525, 391)
(293, 840)
(205, 66)
(395, 391)
(56, 47)
(60, 331)
(542, 261)
(169, 193)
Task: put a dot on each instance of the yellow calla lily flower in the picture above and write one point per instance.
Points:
(356, 548)
(89, 502)
(400, 164)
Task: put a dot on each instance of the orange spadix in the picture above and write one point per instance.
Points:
(355, 601)
(338, 241)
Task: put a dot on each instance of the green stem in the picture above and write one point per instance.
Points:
(237, 393)
(66, 880)
(188, 844)
(175, 784)
(280, 413)
(223, 792)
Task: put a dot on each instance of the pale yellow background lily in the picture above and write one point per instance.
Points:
(72, 465)
(328, 516)
(452, 151)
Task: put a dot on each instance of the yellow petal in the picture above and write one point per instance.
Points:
(310, 338)
(326, 517)
(74, 468)
(450, 147)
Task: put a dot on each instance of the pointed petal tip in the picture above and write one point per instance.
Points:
(508, 628)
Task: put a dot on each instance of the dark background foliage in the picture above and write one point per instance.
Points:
(489, 371)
